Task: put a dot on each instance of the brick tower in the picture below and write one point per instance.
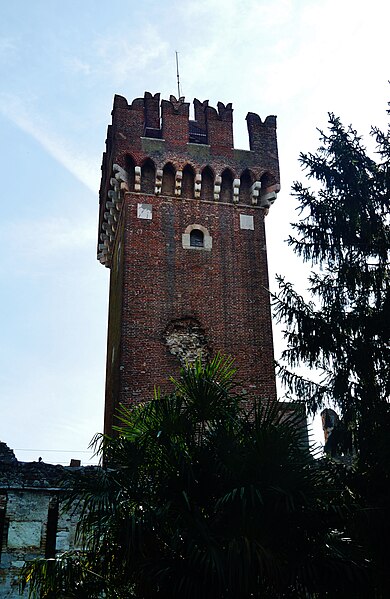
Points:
(182, 229)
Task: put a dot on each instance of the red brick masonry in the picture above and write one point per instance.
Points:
(156, 283)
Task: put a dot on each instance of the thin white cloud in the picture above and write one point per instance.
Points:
(35, 239)
(78, 66)
(331, 53)
(81, 167)
(8, 46)
(119, 57)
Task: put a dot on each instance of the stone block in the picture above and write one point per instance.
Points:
(24, 534)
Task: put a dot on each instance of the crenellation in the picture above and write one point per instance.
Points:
(175, 121)
(200, 113)
(225, 113)
(139, 133)
(262, 140)
(120, 102)
(152, 112)
(212, 127)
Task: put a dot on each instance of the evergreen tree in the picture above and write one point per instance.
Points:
(342, 332)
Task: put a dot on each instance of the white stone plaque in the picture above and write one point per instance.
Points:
(144, 211)
(246, 222)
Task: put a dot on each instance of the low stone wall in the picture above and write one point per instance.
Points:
(33, 522)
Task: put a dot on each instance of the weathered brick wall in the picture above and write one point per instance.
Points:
(224, 289)
(156, 283)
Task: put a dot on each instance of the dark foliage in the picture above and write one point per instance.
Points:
(342, 333)
(198, 499)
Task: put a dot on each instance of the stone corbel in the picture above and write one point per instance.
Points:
(137, 178)
(121, 176)
(103, 258)
(109, 231)
(236, 190)
(178, 180)
(113, 209)
(114, 195)
(217, 187)
(115, 184)
(158, 184)
(114, 198)
(268, 195)
(198, 184)
(267, 199)
(254, 192)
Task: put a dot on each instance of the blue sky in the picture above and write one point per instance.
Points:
(61, 63)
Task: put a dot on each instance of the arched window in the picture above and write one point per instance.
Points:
(266, 180)
(226, 186)
(148, 176)
(207, 187)
(246, 181)
(196, 238)
(188, 182)
(168, 181)
(130, 166)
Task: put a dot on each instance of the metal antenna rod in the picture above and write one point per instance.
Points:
(177, 73)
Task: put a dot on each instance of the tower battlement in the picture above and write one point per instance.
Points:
(169, 120)
(148, 135)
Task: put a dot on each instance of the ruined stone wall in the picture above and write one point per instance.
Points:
(33, 522)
